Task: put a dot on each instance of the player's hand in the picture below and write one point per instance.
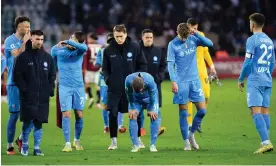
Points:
(174, 87)
(213, 71)
(61, 43)
(132, 114)
(27, 36)
(153, 115)
(241, 86)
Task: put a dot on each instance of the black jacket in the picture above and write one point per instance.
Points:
(156, 60)
(121, 60)
(34, 75)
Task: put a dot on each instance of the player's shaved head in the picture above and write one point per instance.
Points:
(258, 19)
(183, 30)
(138, 84)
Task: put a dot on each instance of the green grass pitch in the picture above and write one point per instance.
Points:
(229, 136)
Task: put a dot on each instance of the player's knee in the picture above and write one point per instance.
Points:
(134, 117)
(201, 112)
(183, 106)
(66, 114)
(200, 105)
(78, 114)
(255, 110)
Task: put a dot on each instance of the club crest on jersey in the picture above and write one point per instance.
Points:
(129, 55)
(45, 64)
(182, 53)
(155, 59)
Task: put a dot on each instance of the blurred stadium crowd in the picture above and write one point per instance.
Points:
(223, 21)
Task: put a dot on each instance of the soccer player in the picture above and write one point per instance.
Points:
(91, 71)
(258, 67)
(202, 55)
(69, 57)
(103, 93)
(186, 85)
(13, 46)
(142, 93)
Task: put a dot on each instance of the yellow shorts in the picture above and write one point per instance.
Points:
(205, 86)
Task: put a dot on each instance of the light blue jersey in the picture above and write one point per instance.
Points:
(3, 63)
(259, 61)
(258, 67)
(183, 55)
(182, 66)
(99, 61)
(69, 63)
(11, 43)
(148, 97)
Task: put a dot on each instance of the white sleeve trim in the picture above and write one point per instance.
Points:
(248, 55)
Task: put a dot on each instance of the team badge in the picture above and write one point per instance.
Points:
(155, 58)
(45, 64)
(129, 54)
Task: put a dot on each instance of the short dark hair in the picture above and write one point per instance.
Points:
(147, 31)
(192, 21)
(93, 35)
(80, 36)
(109, 35)
(258, 19)
(19, 20)
(138, 84)
(37, 32)
(183, 30)
(120, 28)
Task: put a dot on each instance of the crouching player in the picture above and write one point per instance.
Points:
(142, 93)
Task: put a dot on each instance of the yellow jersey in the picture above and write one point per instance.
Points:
(202, 54)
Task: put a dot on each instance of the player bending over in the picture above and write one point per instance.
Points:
(142, 94)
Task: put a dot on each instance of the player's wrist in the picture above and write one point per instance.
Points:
(212, 66)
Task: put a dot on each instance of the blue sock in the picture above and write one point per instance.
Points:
(198, 119)
(184, 127)
(267, 122)
(105, 118)
(142, 118)
(260, 126)
(154, 127)
(66, 128)
(133, 131)
(78, 128)
(26, 130)
(12, 126)
(120, 119)
(159, 117)
(37, 137)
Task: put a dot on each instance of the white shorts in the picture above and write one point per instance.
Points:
(92, 77)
